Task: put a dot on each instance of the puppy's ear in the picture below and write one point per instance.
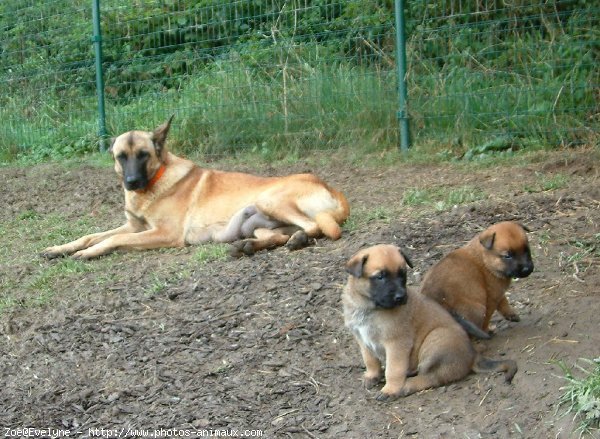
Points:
(159, 136)
(487, 239)
(406, 258)
(356, 265)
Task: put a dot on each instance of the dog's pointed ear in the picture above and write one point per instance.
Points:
(159, 136)
(112, 143)
(406, 257)
(487, 239)
(356, 265)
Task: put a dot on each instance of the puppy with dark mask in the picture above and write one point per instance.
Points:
(419, 342)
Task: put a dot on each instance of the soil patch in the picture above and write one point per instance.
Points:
(259, 343)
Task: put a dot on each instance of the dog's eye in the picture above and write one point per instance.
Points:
(381, 275)
(122, 156)
(142, 155)
(507, 255)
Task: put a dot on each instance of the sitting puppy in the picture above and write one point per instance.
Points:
(470, 282)
(419, 342)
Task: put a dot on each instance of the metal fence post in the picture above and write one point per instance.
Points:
(97, 39)
(401, 65)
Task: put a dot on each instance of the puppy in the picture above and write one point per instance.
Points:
(471, 281)
(418, 341)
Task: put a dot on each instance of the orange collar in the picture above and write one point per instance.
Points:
(154, 179)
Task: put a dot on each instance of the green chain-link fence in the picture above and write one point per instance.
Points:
(294, 75)
(497, 74)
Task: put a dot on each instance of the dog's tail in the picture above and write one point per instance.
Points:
(483, 364)
(469, 326)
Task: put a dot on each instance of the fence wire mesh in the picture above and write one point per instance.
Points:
(287, 76)
(501, 74)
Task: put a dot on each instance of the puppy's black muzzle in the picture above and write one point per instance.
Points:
(400, 297)
(519, 266)
(390, 293)
(524, 270)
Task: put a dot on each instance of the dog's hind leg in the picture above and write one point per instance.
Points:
(443, 358)
(289, 213)
(265, 239)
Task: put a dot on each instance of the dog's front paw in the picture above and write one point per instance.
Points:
(513, 317)
(297, 241)
(387, 393)
(52, 252)
(84, 255)
(381, 396)
(371, 381)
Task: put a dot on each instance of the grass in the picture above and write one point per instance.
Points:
(475, 112)
(548, 182)
(581, 395)
(584, 252)
(361, 217)
(34, 281)
(442, 198)
(210, 252)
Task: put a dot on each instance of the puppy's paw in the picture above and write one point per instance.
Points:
(513, 317)
(383, 397)
(388, 393)
(297, 241)
(371, 381)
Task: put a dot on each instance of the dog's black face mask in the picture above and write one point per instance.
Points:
(135, 172)
(518, 265)
(388, 290)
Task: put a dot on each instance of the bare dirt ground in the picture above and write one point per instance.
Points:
(161, 339)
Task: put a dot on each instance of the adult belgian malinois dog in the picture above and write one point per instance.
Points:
(172, 202)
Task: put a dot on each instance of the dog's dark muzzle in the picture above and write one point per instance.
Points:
(400, 297)
(135, 182)
(521, 270)
(391, 299)
(524, 270)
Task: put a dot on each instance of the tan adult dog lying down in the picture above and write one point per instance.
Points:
(172, 202)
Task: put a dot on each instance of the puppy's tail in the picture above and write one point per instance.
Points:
(469, 326)
(509, 367)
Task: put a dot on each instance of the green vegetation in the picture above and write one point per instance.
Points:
(440, 197)
(584, 251)
(548, 183)
(211, 252)
(360, 217)
(279, 78)
(582, 395)
(26, 235)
